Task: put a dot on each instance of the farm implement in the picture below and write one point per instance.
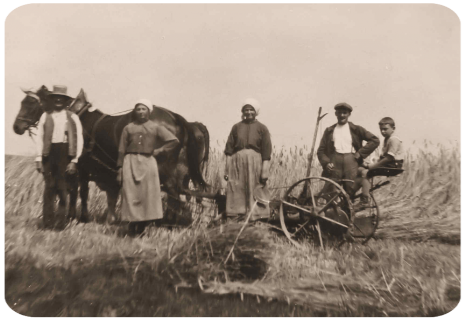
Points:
(321, 207)
(327, 211)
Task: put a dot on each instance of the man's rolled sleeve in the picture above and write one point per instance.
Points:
(80, 138)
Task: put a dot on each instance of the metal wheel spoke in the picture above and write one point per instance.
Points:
(314, 215)
(313, 200)
(319, 234)
(329, 203)
(360, 230)
(299, 207)
(300, 228)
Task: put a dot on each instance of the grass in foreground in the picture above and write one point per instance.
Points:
(413, 269)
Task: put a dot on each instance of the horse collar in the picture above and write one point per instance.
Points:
(85, 108)
(94, 130)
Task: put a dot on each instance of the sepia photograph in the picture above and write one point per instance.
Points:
(232, 160)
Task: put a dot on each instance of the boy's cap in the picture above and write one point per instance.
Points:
(343, 105)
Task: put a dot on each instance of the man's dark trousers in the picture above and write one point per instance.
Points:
(57, 182)
(345, 167)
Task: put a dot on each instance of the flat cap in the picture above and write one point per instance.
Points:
(343, 105)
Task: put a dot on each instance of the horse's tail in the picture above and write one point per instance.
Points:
(192, 148)
(206, 135)
(206, 139)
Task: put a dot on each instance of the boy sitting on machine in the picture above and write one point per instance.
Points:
(392, 157)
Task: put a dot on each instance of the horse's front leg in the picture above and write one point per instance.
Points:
(73, 195)
(112, 199)
(173, 202)
(84, 194)
(185, 186)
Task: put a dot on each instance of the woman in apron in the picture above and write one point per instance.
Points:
(248, 154)
(138, 170)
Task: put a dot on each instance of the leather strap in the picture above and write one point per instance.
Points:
(92, 134)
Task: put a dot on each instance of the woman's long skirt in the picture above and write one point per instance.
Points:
(244, 175)
(141, 196)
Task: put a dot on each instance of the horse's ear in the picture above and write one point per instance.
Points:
(25, 90)
(82, 96)
(79, 102)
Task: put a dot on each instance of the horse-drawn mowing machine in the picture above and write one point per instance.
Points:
(321, 206)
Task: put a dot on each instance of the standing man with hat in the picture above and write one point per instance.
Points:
(341, 151)
(59, 146)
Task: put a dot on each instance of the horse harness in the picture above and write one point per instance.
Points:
(93, 142)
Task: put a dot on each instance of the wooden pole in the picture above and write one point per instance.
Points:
(310, 156)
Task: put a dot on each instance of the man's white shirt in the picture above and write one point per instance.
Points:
(342, 139)
(58, 136)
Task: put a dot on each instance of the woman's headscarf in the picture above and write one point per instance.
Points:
(145, 102)
(251, 102)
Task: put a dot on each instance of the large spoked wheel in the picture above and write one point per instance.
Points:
(315, 206)
(366, 221)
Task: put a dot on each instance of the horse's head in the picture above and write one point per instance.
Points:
(32, 108)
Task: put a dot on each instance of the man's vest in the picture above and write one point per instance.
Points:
(71, 133)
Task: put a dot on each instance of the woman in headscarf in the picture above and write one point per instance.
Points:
(138, 171)
(248, 154)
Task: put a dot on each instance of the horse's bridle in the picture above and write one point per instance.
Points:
(32, 123)
(84, 109)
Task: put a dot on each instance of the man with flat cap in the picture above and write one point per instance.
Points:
(59, 145)
(341, 150)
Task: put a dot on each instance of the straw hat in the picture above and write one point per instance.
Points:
(60, 91)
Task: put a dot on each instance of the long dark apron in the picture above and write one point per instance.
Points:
(141, 195)
(244, 175)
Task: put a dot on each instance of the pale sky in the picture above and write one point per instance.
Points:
(204, 60)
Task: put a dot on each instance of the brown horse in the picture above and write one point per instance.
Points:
(101, 140)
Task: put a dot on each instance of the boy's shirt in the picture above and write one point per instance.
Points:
(393, 146)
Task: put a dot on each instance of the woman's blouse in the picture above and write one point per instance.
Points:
(253, 135)
(142, 139)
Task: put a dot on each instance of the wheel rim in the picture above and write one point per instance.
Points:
(366, 221)
(325, 198)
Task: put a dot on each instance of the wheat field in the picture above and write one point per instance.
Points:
(411, 268)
